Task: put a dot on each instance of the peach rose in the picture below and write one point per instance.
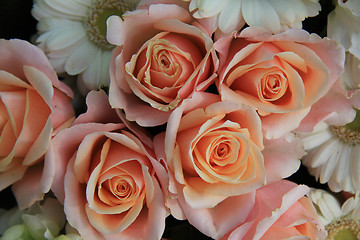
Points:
(280, 212)
(164, 61)
(214, 150)
(106, 177)
(281, 75)
(34, 105)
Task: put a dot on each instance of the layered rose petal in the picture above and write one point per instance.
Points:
(277, 74)
(99, 117)
(276, 211)
(34, 106)
(106, 177)
(280, 212)
(169, 60)
(216, 160)
(218, 221)
(119, 188)
(213, 152)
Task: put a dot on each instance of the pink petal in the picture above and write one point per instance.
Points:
(34, 184)
(64, 145)
(62, 111)
(74, 206)
(216, 222)
(11, 176)
(145, 115)
(18, 53)
(334, 107)
(282, 157)
(277, 125)
(98, 109)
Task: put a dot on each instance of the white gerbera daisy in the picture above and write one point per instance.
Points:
(342, 222)
(274, 15)
(350, 77)
(73, 35)
(334, 154)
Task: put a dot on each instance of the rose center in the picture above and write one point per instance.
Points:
(96, 20)
(350, 133)
(165, 61)
(273, 86)
(222, 150)
(121, 188)
(343, 229)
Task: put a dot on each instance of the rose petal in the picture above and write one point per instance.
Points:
(63, 146)
(281, 157)
(31, 188)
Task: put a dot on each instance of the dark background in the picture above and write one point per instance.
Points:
(16, 20)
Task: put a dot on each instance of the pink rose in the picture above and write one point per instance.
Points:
(106, 177)
(281, 75)
(214, 150)
(34, 105)
(276, 211)
(280, 212)
(164, 61)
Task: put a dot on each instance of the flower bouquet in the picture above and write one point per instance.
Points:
(180, 119)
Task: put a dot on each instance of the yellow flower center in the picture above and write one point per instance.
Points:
(343, 229)
(350, 133)
(101, 11)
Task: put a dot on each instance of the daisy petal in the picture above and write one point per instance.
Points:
(343, 166)
(329, 167)
(68, 7)
(81, 58)
(323, 153)
(236, 21)
(355, 167)
(97, 74)
(63, 38)
(261, 13)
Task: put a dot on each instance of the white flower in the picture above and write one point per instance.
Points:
(40, 221)
(37, 222)
(274, 15)
(350, 77)
(341, 221)
(334, 155)
(344, 25)
(73, 36)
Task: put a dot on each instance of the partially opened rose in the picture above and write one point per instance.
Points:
(164, 61)
(34, 105)
(214, 150)
(280, 212)
(106, 177)
(281, 75)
